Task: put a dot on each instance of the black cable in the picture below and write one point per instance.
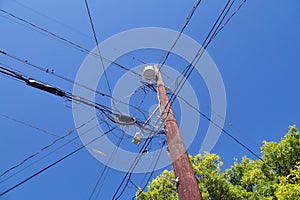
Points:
(51, 72)
(132, 167)
(228, 20)
(146, 143)
(59, 92)
(190, 66)
(151, 174)
(204, 46)
(188, 19)
(207, 41)
(106, 168)
(227, 133)
(222, 129)
(11, 73)
(70, 43)
(53, 164)
(97, 44)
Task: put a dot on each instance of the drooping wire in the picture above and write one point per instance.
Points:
(62, 93)
(53, 164)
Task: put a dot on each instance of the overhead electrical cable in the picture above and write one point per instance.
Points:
(74, 30)
(207, 41)
(224, 131)
(198, 56)
(188, 19)
(44, 148)
(189, 68)
(53, 151)
(97, 44)
(56, 91)
(186, 71)
(52, 72)
(106, 168)
(52, 164)
(128, 174)
(151, 173)
(70, 43)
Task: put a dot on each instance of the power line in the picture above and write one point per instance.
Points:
(151, 173)
(106, 168)
(128, 174)
(145, 145)
(50, 153)
(58, 138)
(44, 148)
(187, 72)
(225, 10)
(52, 72)
(216, 32)
(29, 125)
(223, 130)
(181, 31)
(65, 26)
(51, 18)
(53, 90)
(70, 43)
(53, 164)
(97, 44)
(219, 127)
(59, 92)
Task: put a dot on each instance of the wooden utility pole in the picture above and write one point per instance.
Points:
(187, 186)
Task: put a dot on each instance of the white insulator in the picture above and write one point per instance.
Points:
(137, 138)
(149, 73)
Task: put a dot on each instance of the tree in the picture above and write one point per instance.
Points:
(275, 176)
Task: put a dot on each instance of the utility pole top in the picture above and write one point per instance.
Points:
(187, 186)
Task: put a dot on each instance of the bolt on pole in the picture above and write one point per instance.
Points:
(187, 184)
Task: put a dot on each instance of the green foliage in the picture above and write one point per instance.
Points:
(276, 176)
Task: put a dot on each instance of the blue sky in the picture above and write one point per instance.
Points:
(257, 55)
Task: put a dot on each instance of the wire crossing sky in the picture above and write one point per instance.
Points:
(254, 48)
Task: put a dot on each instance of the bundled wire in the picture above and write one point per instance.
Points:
(51, 72)
(59, 92)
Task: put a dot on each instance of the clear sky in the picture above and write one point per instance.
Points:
(257, 55)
